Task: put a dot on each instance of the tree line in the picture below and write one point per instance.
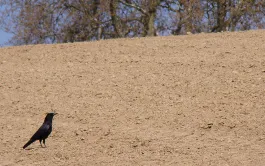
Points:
(60, 21)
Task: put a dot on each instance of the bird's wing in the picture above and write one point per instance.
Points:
(43, 130)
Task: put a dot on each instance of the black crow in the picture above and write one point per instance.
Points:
(43, 132)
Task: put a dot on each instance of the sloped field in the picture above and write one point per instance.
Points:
(182, 100)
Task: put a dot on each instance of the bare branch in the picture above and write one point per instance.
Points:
(134, 6)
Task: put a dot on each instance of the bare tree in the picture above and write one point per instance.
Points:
(233, 15)
(56, 21)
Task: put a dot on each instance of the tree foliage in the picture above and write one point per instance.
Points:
(58, 21)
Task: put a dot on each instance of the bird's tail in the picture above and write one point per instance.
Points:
(28, 143)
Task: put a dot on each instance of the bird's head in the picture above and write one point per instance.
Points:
(49, 116)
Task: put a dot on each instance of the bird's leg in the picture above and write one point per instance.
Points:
(44, 143)
(40, 142)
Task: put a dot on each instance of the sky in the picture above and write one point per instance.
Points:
(4, 37)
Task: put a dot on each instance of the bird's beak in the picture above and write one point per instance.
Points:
(55, 113)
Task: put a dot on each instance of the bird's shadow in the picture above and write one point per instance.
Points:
(35, 148)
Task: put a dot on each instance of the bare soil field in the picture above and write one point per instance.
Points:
(177, 100)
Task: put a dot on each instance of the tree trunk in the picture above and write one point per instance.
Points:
(114, 17)
(150, 17)
(151, 21)
(221, 14)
